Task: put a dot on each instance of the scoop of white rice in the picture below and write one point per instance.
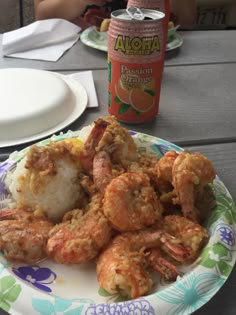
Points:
(55, 195)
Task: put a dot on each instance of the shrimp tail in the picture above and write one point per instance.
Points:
(161, 265)
(89, 150)
(7, 214)
(102, 170)
(173, 247)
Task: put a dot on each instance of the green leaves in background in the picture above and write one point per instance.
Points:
(9, 292)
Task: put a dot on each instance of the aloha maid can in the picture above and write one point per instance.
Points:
(136, 53)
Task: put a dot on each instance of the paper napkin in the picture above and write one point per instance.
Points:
(41, 40)
(85, 78)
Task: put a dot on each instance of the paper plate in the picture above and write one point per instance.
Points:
(36, 104)
(49, 288)
(98, 40)
(175, 41)
(92, 38)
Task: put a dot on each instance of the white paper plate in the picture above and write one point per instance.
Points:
(98, 40)
(80, 100)
(51, 288)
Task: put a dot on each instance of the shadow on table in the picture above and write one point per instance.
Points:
(172, 53)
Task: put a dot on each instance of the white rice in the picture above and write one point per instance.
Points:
(56, 195)
(84, 132)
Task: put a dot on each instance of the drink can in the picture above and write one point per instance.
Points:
(135, 62)
(159, 5)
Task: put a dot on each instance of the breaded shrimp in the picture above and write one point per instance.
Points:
(130, 202)
(108, 136)
(163, 171)
(23, 236)
(190, 174)
(89, 149)
(191, 234)
(118, 143)
(102, 171)
(80, 236)
(122, 266)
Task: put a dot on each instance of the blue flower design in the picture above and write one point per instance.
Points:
(132, 133)
(190, 293)
(37, 276)
(140, 306)
(227, 235)
(4, 168)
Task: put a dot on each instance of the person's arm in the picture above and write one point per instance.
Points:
(185, 11)
(65, 9)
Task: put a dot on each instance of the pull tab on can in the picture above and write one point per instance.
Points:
(135, 13)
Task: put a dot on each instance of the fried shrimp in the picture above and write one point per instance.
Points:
(130, 202)
(102, 171)
(191, 234)
(190, 174)
(118, 143)
(89, 149)
(23, 236)
(80, 236)
(123, 266)
(163, 169)
(108, 136)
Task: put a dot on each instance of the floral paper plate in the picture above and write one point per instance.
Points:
(92, 38)
(98, 40)
(175, 41)
(52, 289)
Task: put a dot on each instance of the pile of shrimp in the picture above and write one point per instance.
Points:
(140, 214)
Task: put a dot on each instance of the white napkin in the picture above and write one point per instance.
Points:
(41, 40)
(85, 78)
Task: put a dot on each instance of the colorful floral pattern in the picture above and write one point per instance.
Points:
(33, 286)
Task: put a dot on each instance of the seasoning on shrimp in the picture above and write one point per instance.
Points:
(123, 265)
(186, 175)
(130, 202)
(191, 173)
(118, 143)
(191, 234)
(80, 236)
(23, 236)
(163, 170)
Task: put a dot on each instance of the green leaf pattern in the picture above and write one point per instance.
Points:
(9, 292)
